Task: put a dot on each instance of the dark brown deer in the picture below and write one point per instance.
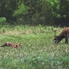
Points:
(63, 34)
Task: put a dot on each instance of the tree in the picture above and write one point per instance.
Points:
(34, 12)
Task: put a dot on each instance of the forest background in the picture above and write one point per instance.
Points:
(35, 12)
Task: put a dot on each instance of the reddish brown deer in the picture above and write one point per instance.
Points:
(63, 34)
(9, 44)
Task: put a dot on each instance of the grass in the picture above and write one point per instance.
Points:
(38, 50)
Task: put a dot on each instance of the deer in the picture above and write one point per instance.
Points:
(64, 34)
(9, 44)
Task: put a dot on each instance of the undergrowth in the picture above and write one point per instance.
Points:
(38, 50)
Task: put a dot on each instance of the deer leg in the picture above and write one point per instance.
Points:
(66, 40)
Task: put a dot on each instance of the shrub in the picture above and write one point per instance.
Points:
(2, 20)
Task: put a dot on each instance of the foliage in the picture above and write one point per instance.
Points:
(20, 13)
(2, 20)
(22, 9)
(38, 50)
(46, 12)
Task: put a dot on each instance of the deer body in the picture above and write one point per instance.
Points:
(63, 34)
(9, 44)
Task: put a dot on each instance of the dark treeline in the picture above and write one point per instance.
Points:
(34, 12)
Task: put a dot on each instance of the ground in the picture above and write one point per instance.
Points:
(38, 50)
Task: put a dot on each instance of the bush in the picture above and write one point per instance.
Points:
(2, 20)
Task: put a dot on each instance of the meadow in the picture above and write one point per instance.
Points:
(38, 50)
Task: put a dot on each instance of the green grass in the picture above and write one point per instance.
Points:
(38, 50)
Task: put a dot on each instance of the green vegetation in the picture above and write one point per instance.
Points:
(30, 22)
(38, 50)
(35, 12)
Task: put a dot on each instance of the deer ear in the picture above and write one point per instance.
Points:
(54, 32)
(20, 44)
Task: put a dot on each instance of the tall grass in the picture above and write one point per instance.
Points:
(38, 50)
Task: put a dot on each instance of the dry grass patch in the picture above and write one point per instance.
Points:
(9, 32)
